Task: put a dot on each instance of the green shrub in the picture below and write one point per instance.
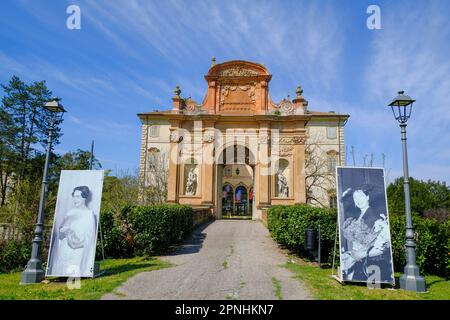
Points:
(287, 225)
(14, 255)
(154, 228)
(114, 241)
(432, 241)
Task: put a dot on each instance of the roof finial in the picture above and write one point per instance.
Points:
(213, 63)
(177, 91)
(299, 91)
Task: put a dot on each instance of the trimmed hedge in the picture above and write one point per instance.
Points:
(143, 230)
(114, 239)
(287, 225)
(154, 228)
(133, 231)
(432, 241)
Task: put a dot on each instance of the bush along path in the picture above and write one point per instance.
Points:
(287, 225)
(225, 259)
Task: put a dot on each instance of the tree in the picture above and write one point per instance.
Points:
(120, 191)
(425, 196)
(24, 123)
(318, 179)
(77, 160)
(153, 186)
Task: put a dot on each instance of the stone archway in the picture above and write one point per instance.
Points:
(235, 177)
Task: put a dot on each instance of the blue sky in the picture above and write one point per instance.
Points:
(129, 55)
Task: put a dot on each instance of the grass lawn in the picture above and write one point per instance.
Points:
(117, 271)
(325, 288)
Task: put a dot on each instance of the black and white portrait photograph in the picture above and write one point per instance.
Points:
(74, 234)
(365, 240)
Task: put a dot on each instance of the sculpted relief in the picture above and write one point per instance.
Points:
(236, 97)
(191, 183)
(238, 72)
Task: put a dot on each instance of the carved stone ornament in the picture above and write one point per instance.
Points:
(292, 140)
(286, 150)
(263, 138)
(227, 88)
(283, 189)
(238, 72)
(175, 137)
(286, 106)
(208, 138)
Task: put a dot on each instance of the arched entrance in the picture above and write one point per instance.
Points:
(234, 181)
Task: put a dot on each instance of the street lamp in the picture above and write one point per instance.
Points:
(33, 272)
(410, 280)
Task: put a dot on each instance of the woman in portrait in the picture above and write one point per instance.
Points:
(366, 236)
(76, 237)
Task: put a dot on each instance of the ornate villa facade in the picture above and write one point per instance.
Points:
(238, 152)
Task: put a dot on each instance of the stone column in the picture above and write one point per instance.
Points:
(299, 171)
(207, 144)
(173, 180)
(143, 156)
(262, 178)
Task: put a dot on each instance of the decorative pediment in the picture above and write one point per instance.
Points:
(237, 87)
(238, 72)
(238, 68)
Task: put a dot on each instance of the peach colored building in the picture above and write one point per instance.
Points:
(238, 152)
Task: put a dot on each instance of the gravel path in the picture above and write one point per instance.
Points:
(226, 259)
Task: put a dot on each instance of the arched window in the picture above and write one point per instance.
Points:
(241, 200)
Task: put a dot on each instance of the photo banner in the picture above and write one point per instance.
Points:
(364, 233)
(75, 224)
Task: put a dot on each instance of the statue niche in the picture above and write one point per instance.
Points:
(282, 177)
(190, 179)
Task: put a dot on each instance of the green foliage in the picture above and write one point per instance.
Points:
(114, 240)
(425, 196)
(119, 191)
(287, 225)
(25, 124)
(432, 240)
(14, 255)
(143, 230)
(155, 228)
(77, 160)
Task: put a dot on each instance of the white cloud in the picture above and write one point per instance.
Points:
(411, 54)
(294, 39)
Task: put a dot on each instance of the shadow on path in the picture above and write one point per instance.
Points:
(193, 243)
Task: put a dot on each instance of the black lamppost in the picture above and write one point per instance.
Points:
(410, 280)
(33, 273)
